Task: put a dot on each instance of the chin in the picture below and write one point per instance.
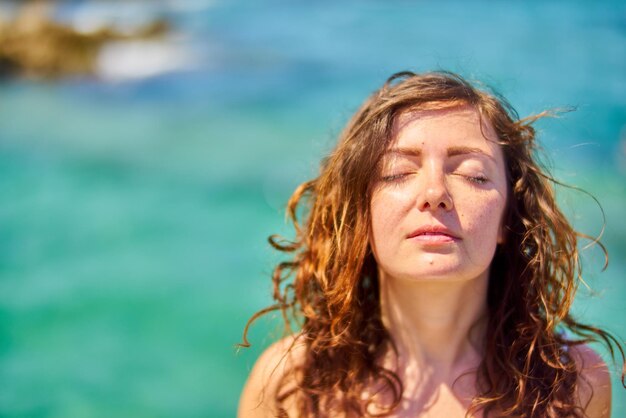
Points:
(440, 273)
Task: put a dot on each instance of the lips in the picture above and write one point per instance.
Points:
(434, 234)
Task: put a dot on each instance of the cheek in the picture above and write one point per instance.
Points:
(483, 218)
(387, 209)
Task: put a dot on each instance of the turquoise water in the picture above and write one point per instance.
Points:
(134, 214)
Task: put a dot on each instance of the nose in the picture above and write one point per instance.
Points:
(434, 191)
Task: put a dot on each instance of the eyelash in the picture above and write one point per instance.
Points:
(394, 177)
(477, 179)
(402, 176)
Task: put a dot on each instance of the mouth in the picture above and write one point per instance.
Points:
(433, 234)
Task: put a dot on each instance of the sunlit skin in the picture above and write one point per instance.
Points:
(436, 221)
(436, 214)
(444, 173)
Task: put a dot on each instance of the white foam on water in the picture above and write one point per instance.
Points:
(131, 60)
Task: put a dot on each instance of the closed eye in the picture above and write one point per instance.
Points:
(394, 177)
(479, 179)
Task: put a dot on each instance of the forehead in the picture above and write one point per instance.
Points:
(458, 124)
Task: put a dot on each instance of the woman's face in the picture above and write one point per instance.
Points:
(439, 200)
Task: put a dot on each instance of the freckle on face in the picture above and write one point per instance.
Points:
(476, 212)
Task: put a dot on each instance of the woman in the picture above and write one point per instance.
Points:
(434, 273)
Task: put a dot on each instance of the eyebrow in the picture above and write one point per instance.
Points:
(452, 152)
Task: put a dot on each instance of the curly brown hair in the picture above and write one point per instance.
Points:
(330, 285)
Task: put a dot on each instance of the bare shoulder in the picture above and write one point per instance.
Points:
(594, 386)
(257, 399)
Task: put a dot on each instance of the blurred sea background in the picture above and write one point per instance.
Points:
(136, 200)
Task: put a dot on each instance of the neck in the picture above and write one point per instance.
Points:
(436, 326)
